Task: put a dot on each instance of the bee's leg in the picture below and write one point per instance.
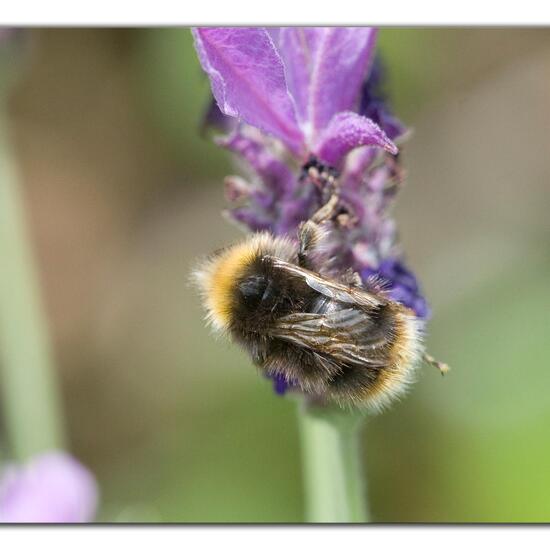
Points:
(311, 233)
(442, 367)
(327, 211)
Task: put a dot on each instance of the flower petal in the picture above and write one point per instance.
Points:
(357, 163)
(52, 488)
(298, 47)
(252, 218)
(272, 181)
(345, 132)
(274, 173)
(248, 79)
(341, 61)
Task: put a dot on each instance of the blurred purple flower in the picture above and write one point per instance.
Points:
(307, 101)
(52, 488)
(7, 34)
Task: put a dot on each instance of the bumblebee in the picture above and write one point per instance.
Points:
(335, 339)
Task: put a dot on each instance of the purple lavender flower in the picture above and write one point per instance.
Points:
(309, 101)
(51, 488)
(310, 109)
(400, 284)
(374, 105)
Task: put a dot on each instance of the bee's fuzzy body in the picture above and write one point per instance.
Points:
(334, 340)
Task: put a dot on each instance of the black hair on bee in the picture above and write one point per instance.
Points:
(335, 339)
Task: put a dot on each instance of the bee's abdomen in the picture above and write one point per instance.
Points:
(392, 344)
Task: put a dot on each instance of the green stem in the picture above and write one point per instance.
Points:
(30, 398)
(334, 486)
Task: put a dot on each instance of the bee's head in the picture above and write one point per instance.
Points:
(233, 282)
(252, 288)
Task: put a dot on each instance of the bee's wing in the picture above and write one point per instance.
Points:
(352, 333)
(330, 289)
(346, 336)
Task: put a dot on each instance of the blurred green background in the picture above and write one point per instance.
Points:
(123, 194)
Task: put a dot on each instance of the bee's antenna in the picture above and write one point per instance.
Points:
(442, 367)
